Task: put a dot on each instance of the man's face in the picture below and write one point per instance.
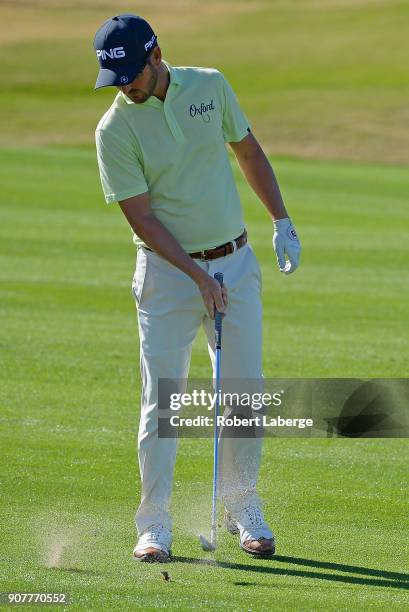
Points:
(143, 86)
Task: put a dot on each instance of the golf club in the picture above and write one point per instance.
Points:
(206, 545)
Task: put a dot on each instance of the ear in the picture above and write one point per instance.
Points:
(156, 56)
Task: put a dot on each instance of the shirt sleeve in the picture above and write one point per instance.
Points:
(119, 167)
(235, 123)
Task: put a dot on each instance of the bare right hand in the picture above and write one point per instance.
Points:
(214, 296)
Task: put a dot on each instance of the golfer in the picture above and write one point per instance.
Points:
(162, 157)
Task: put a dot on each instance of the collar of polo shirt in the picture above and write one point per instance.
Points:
(174, 80)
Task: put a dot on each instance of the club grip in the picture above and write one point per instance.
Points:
(218, 316)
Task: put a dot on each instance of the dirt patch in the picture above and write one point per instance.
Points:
(50, 20)
(339, 4)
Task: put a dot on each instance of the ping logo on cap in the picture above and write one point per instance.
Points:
(115, 53)
(150, 43)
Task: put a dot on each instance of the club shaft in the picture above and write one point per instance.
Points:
(218, 346)
(216, 448)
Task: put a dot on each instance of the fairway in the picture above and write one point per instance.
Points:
(325, 86)
(70, 388)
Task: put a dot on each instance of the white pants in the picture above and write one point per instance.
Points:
(170, 311)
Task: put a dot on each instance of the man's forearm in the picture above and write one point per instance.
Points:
(159, 239)
(260, 176)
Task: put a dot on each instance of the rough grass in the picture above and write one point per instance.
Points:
(70, 387)
(318, 79)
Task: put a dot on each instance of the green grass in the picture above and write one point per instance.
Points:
(318, 78)
(70, 387)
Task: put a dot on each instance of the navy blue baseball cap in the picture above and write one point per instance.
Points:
(122, 44)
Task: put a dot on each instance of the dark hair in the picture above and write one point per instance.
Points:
(147, 60)
(151, 51)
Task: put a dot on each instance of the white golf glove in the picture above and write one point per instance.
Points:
(286, 243)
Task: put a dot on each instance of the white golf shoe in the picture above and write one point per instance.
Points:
(154, 545)
(256, 538)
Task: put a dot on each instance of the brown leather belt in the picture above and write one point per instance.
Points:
(220, 251)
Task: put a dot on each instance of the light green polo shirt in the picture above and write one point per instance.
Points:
(176, 150)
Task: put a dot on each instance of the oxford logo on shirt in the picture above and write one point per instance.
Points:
(202, 110)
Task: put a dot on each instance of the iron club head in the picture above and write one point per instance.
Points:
(206, 545)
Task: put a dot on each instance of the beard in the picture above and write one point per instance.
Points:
(139, 96)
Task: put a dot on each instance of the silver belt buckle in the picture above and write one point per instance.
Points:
(234, 244)
(203, 256)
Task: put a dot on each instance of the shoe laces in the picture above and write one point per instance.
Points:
(156, 532)
(254, 516)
